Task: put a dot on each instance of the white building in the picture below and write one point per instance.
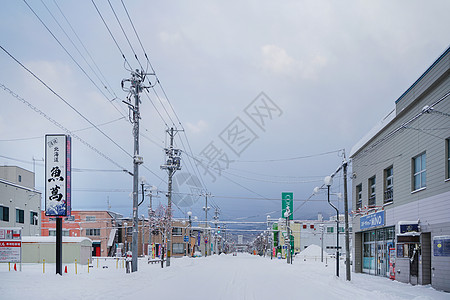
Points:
(309, 232)
(20, 203)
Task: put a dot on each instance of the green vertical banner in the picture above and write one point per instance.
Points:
(287, 200)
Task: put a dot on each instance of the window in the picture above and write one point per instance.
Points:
(93, 231)
(420, 172)
(311, 226)
(372, 186)
(34, 218)
(90, 218)
(20, 178)
(389, 184)
(330, 229)
(359, 196)
(52, 232)
(447, 161)
(4, 213)
(70, 218)
(20, 216)
(305, 226)
(177, 231)
(341, 229)
(178, 248)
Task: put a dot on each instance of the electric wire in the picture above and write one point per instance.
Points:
(125, 34)
(76, 48)
(289, 159)
(425, 110)
(65, 50)
(108, 85)
(67, 103)
(76, 130)
(193, 166)
(112, 36)
(62, 127)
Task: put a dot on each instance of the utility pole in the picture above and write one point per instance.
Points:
(151, 215)
(216, 217)
(347, 234)
(136, 80)
(206, 208)
(172, 165)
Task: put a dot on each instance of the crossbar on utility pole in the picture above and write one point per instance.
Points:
(136, 80)
(172, 165)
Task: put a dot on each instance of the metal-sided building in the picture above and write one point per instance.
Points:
(401, 186)
(20, 202)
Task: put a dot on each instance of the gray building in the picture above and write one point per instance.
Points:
(20, 203)
(401, 186)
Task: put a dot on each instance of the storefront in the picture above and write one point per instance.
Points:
(377, 244)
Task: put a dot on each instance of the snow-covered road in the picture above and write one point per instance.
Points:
(215, 277)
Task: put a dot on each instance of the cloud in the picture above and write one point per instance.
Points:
(169, 38)
(277, 60)
(199, 127)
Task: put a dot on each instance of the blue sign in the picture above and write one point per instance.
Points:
(405, 228)
(186, 239)
(441, 245)
(373, 220)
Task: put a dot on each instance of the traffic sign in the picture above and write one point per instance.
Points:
(186, 239)
(287, 200)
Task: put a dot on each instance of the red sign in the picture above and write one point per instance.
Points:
(10, 244)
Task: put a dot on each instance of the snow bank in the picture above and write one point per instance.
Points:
(311, 252)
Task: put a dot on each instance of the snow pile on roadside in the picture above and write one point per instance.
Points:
(311, 252)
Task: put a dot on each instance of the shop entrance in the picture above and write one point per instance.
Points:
(376, 244)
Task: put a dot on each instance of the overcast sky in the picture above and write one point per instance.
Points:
(267, 92)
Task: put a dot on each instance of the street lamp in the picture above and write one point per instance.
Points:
(321, 252)
(189, 213)
(287, 213)
(328, 181)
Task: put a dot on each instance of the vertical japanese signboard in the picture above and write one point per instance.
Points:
(287, 200)
(10, 245)
(58, 175)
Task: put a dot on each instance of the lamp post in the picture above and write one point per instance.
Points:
(328, 182)
(189, 213)
(321, 239)
(288, 238)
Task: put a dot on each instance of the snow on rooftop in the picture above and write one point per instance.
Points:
(52, 239)
(373, 132)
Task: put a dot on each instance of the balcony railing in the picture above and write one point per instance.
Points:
(372, 201)
(388, 195)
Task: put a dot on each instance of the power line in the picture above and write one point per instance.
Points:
(124, 33)
(76, 130)
(193, 166)
(291, 158)
(112, 36)
(67, 103)
(426, 110)
(62, 46)
(62, 127)
(108, 87)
